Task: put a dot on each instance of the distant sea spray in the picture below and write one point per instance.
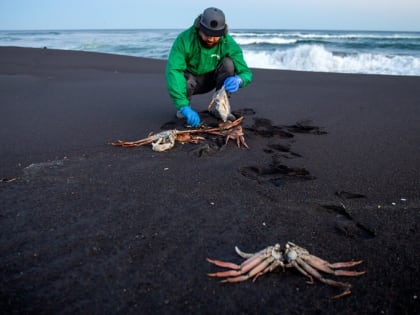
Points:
(393, 53)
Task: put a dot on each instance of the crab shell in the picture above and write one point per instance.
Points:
(164, 140)
(220, 105)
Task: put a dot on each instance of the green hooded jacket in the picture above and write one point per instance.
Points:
(187, 54)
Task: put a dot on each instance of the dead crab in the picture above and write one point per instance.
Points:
(271, 258)
(308, 265)
(255, 265)
(231, 130)
(166, 139)
(163, 140)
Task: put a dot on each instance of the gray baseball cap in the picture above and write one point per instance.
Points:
(212, 22)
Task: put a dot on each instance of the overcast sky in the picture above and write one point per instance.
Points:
(393, 15)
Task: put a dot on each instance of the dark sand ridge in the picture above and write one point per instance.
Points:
(90, 228)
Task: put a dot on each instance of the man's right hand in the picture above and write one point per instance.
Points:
(191, 115)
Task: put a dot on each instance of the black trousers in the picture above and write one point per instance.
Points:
(205, 83)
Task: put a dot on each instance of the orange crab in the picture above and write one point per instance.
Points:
(310, 265)
(166, 139)
(272, 258)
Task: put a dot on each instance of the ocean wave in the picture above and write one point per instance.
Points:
(317, 58)
(333, 35)
(355, 36)
(268, 41)
(327, 51)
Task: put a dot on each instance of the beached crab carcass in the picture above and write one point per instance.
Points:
(310, 265)
(166, 139)
(272, 258)
(163, 140)
(231, 130)
(255, 265)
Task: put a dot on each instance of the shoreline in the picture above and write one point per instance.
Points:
(164, 60)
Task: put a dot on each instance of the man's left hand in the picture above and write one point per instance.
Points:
(233, 83)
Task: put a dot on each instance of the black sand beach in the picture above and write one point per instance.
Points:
(89, 228)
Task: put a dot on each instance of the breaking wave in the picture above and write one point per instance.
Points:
(317, 58)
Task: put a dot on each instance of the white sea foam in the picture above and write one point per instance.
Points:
(317, 58)
(325, 35)
(261, 40)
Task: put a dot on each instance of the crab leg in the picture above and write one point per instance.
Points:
(243, 254)
(274, 265)
(327, 267)
(224, 264)
(246, 266)
(241, 140)
(302, 271)
(256, 270)
(313, 272)
(259, 270)
(137, 143)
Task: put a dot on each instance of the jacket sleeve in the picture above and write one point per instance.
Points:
(174, 74)
(241, 67)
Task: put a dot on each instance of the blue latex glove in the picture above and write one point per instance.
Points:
(233, 83)
(191, 115)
